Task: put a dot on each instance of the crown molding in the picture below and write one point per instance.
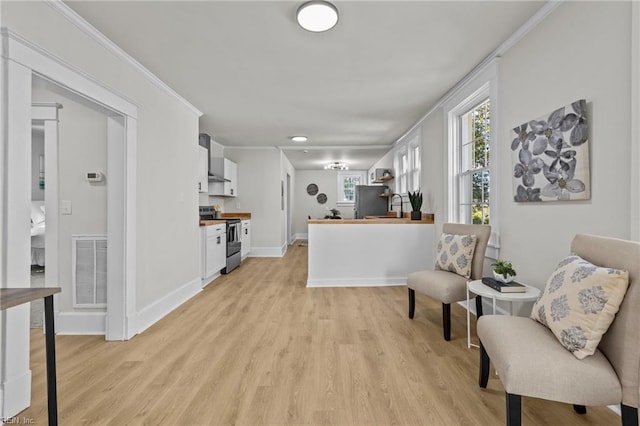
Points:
(490, 60)
(105, 42)
(340, 147)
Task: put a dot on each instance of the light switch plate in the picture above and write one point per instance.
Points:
(65, 208)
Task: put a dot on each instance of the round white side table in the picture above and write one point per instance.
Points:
(476, 287)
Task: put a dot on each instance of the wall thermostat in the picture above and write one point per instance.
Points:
(95, 177)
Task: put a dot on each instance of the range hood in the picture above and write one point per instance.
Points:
(215, 178)
(205, 141)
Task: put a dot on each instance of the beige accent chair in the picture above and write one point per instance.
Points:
(448, 287)
(531, 362)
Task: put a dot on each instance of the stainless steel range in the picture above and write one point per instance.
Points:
(234, 236)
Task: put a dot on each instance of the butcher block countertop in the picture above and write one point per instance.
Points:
(241, 216)
(212, 222)
(236, 215)
(375, 220)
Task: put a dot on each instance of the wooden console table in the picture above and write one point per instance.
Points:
(10, 297)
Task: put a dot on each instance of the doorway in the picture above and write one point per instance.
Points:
(44, 239)
(22, 64)
(289, 239)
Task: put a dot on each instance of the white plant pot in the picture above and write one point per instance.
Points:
(502, 279)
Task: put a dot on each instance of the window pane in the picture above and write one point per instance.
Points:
(473, 175)
(477, 187)
(465, 213)
(466, 157)
(349, 184)
(465, 189)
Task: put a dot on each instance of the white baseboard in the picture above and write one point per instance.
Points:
(81, 323)
(209, 280)
(301, 236)
(358, 282)
(267, 251)
(16, 395)
(157, 310)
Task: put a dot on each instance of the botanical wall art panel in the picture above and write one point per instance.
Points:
(551, 156)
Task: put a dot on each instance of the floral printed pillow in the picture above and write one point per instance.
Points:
(454, 253)
(579, 303)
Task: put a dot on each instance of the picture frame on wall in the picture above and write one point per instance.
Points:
(551, 156)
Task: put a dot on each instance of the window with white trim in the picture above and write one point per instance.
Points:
(473, 173)
(472, 154)
(407, 162)
(347, 181)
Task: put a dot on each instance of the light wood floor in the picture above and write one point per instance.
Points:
(257, 347)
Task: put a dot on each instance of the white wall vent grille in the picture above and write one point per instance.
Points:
(89, 274)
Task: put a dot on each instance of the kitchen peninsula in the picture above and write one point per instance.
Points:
(375, 251)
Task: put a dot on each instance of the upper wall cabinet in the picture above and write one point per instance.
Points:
(228, 171)
(203, 169)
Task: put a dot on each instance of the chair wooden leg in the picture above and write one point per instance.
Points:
(580, 409)
(484, 367)
(629, 415)
(412, 302)
(514, 408)
(478, 306)
(446, 321)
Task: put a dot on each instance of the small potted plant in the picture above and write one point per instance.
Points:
(503, 271)
(415, 199)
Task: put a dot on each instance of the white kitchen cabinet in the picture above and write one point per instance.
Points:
(227, 169)
(214, 251)
(246, 239)
(203, 169)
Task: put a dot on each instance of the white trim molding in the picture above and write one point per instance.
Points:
(81, 323)
(91, 31)
(483, 85)
(15, 392)
(162, 307)
(268, 251)
(358, 282)
(50, 67)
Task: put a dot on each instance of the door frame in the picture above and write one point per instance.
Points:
(23, 60)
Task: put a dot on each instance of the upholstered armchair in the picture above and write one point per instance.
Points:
(448, 283)
(546, 358)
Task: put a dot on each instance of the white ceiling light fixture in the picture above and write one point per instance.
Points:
(317, 16)
(336, 165)
(299, 138)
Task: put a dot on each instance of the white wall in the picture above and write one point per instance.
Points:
(307, 205)
(590, 59)
(259, 175)
(82, 147)
(433, 167)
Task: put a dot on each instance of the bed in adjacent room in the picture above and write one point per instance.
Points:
(37, 233)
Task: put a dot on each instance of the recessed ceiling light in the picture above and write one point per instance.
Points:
(299, 138)
(317, 16)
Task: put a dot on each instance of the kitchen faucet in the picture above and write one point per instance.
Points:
(401, 211)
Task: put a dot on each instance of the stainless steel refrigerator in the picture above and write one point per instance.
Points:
(369, 202)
